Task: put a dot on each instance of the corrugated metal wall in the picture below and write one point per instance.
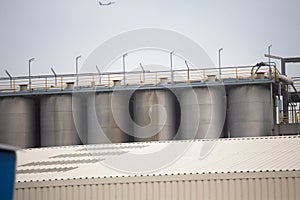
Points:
(189, 187)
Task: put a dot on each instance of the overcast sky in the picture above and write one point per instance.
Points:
(56, 31)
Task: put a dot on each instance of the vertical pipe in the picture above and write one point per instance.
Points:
(46, 84)
(171, 65)
(124, 66)
(29, 71)
(269, 52)
(77, 79)
(220, 62)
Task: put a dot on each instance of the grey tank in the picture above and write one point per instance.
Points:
(108, 118)
(203, 112)
(250, 111)
(57, 120)
(154, 115)
(18, 122)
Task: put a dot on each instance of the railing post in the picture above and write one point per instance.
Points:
(108, 79)
(141, 82)
(14, 85)
(236, 74)
(252, 73)
(203, 75)
(188, 75)
(46, 84)
(61, 83)
(156, 81)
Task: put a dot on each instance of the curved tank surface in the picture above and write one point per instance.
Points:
(108, 118)
(18, 122)
(57, 120)
(249, 111)
(203, 112)
(154, 115)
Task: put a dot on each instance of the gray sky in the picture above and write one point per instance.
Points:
(55, 31)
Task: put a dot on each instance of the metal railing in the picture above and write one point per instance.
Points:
(106, 79)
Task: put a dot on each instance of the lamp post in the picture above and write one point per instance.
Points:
(124, 66)
(269, 52)
(10, 78)
(99, 72)
(221, 49)
(143, 72)
(77, 58)
(188, 73)
(29, 71)
(55, 76)
(171, 65)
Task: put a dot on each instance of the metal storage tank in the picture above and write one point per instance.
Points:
(57, 120)
(154, 115)
(18, 122)
(203, 112)
(250, 110)
(108, 118)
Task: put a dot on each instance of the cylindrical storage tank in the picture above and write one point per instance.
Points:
(249, 111)
(203, 112)
(154, 115)
(18, 122)
(108, 117)
(58, 122)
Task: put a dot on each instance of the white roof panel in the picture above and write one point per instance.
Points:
(154, 158)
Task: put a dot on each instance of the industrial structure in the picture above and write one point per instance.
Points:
(52, 110)
(179, 134)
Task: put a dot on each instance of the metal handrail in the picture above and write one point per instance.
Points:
(58, 81)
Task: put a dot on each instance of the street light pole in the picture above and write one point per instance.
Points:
(10, 78)
(29, 72)
(221, 49)
(188, 73)
(171, 64)
(269, 52)
(143, 71)
(124, 77)
(77, 58)
(99, 72)
(55, 76)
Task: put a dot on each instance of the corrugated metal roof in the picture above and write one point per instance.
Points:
(280, 153)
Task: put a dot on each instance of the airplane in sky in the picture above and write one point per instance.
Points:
(106, 4)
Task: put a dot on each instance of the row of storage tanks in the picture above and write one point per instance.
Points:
(140, 115)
